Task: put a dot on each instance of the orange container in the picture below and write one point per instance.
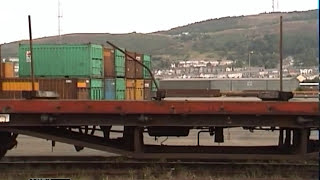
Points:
(139, 89)
(7, 70)
(130, 89)
(18, 85)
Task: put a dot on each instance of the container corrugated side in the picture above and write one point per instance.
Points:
(83, 93)
(67, 88)
(147, 62)
(130, 66)
(139, 89)
(96, 89)
(120, 89)
(1, 69)
(147, 89)
(17, 84)
(138, 67)
(110, 89)
(109, 66)
(53, 60)
(130, 89)
(119, 62)
(154, 88)
(10, 94)
(8, 70)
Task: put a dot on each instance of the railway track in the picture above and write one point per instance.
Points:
(119, 166)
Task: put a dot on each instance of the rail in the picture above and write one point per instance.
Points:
(116, 166)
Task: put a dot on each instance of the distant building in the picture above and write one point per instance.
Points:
(306, 71)
(301, 78)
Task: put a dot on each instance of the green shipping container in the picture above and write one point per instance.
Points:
(120, 89)
(119, 63)
(154, 88)
(147, 62)
(54, 60)
(96, 89)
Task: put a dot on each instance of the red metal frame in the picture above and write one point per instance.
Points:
(160, 107)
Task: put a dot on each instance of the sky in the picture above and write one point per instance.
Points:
(124, 16)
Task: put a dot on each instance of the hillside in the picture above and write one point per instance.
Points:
(223, 38)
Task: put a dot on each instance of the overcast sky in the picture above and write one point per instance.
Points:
(123, 16)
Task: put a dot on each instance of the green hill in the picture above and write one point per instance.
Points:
(228, 37)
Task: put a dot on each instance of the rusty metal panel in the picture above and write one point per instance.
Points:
(83, 93)
(109, 66)
(275, 95)
(284, 109)
(164, 107)
(8, 70)
(130, 89)
(147, 89)
(66, 88)
(130, 65)
(1, 66)
(10, 94)
(139, 68)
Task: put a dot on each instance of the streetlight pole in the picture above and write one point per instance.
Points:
(251, 52)
(280, 49)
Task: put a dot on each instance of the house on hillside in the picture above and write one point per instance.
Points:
(301, 78)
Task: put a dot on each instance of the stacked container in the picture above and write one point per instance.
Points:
(114, 74)
(67, 88)
(139, 89)
(149, 87)
(130, 89)
(73, 71)
(135, 81)
(124, 77)
(84, 71)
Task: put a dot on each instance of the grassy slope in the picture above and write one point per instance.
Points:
(215, 38)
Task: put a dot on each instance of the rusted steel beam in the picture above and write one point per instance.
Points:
(162, 108)
(239, 94)
(161, 120)
(93, 142)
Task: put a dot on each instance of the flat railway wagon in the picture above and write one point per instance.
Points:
(78, 122)
(89, 123)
